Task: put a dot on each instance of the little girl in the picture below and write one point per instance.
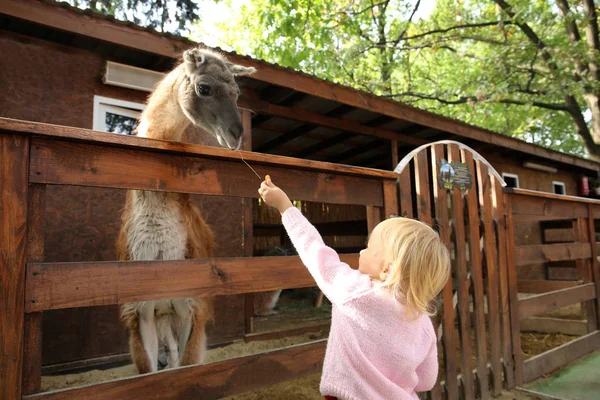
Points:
(382, 345)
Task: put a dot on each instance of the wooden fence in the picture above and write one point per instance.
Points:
(567, 228)
(478, 327)
(35, 155)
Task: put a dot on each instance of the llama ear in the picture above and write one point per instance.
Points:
(193, 60)
(239, 70)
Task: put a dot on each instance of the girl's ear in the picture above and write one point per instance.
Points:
(385, 272)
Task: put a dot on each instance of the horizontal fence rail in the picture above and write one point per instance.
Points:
(53, 286)
(543, 303)
(207, 382)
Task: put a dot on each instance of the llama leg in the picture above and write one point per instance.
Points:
(183, 314)
(196, 343)
(173, 351)
(148, 334)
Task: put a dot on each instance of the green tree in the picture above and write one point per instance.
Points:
(175, 16)
(525, 68)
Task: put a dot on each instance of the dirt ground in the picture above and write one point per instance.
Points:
(55, 382)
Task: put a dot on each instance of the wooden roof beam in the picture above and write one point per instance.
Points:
(348, 155)
(304, 115)
(339, 138)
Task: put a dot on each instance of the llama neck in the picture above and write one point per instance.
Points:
(163, 118)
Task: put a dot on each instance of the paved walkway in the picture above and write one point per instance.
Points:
(578, 381)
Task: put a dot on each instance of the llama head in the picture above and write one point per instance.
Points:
(208, 95)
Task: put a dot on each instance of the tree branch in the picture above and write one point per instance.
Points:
(474, 99)
(572, 33)
(408, 24)
(591, 34)
(464, 26)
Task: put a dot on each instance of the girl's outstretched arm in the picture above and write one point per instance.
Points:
(336, 279)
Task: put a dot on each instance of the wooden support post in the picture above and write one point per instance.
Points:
(584, 271)
(512, 291)
(507, 353)
(248, 223)
(595, 262)
(14, 170)
(395, 161)
(32, 349)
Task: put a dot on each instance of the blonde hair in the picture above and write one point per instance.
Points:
(419, 263)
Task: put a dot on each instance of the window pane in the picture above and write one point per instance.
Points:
(120, 124)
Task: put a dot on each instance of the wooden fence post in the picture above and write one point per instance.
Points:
(513, 292)
(32, 349)
(584, 270)
(14, 171)
(595, 264)
(248, 224)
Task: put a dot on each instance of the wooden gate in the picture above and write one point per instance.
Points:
(475, 326)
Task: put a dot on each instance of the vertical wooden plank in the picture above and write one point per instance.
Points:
(595, 262)
(32, 347)
(390, 199)
(394, 148)
(485, 203)
(405, 188)
(584, 272)
(448, 336)
(248, 223)
(477, 278)
(512, 291)
(499, 215)
(422, 188)
(464, 313)
(14, 169)
(373, 217)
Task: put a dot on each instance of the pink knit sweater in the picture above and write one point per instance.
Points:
(374, 352)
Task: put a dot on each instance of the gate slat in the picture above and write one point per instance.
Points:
(449, 338)
(422, 188)
(477, 276)
(405, 188)
(485, 201)
(463, 285)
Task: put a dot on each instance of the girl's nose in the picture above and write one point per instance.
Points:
(361, 252)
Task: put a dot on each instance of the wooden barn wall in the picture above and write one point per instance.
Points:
(56, 84)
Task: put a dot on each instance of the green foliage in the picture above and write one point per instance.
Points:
(467, 60)
(174, 16)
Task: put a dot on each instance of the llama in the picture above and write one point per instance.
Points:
(168, 226)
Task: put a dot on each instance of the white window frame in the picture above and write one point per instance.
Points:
(514, 176)
(102, 105)
(558, 183)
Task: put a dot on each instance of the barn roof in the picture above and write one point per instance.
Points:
(297, 114)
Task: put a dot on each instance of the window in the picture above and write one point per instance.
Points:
(511, 180)
(117, 116)
(559, 187)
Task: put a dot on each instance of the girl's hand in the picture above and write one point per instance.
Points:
(273, 196)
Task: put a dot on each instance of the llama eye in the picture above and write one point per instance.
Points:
(203, 90)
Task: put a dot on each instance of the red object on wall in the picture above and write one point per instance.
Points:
(583, 186)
